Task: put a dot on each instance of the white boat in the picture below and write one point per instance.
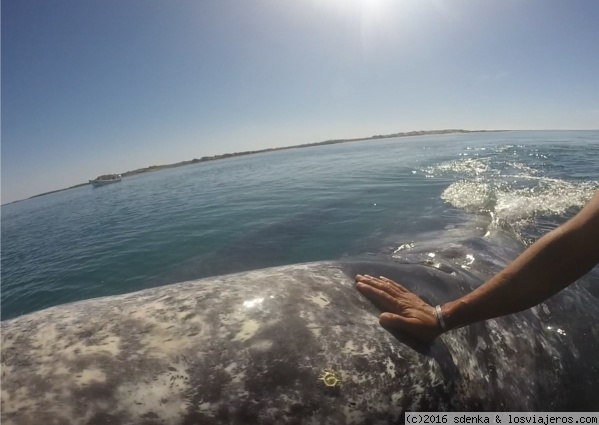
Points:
(106, 179)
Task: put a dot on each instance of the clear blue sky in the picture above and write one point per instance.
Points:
(101, 86)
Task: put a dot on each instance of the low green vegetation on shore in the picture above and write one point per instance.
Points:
(306, 145)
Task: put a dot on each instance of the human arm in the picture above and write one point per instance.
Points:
(546, 267)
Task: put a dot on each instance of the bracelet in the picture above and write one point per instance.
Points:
(440, 317)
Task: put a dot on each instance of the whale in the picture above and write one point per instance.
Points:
(289, 345)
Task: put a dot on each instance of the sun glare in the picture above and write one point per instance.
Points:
(367, 11)
(373, 20)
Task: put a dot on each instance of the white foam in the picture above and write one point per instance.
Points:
(468, 167)
(470, 196)
(509, 191)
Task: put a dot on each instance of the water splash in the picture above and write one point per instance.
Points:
(512, 193)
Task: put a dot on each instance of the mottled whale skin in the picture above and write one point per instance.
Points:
(250, 348)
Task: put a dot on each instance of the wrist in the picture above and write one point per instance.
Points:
(451, 314)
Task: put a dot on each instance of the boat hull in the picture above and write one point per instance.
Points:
(96, 183)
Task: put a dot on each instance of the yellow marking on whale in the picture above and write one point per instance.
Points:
(330, 378)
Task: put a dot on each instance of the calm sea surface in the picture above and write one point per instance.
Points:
(480, 197)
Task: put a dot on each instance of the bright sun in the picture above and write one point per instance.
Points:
(371, 19)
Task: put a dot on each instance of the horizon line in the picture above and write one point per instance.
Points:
(412, 133)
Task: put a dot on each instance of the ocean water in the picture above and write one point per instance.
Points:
(472, 200)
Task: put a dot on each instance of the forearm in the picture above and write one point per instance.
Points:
(549, 265)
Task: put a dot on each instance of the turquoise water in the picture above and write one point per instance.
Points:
(407, 198)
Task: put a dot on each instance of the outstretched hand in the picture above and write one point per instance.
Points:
(403, 310)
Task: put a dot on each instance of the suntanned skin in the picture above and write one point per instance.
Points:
(549, 265)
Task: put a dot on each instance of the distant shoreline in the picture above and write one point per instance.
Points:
(152, 168)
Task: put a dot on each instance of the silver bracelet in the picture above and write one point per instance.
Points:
(440, 318)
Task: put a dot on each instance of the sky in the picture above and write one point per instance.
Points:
(106, 86)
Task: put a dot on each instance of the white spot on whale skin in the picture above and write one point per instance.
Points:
(390, 367)
(263, 345)
(396, 398)
(480, 344)
(357, 379)
(168, 391)
(253, 303)
(16, 401)
(237, 374)
(206, 407)
(248, 330)
(416, 395)
(351, 349)
(90, 375)
(319, 299)
(418, 389)
(315, 329)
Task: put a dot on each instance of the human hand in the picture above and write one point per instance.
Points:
(403, 310)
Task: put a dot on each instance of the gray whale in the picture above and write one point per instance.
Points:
(255, 347)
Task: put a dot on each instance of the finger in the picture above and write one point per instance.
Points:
(395, 284)
(382, 299)
(380, 284)
(385, 286)
(394, 321)
(364, 277)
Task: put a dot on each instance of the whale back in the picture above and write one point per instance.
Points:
(282, 345)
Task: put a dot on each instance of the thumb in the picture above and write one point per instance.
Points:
(396, 323)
